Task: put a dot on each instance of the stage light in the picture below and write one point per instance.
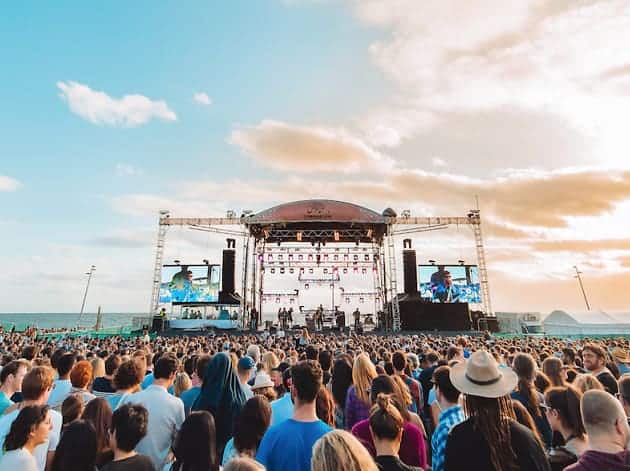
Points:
(336, 236)
(176, 262)
(432, 262)
(206, 261)
(461, 262)
(278, 243)
(298, 236)
(357, 242)
(369, 233)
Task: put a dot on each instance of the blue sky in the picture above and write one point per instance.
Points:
(382, 103)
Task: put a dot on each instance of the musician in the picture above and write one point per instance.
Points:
(357, 318)
(253, 319)
(447, 292)
(319, 318)
(290, 316)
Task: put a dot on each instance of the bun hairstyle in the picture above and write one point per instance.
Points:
(386, 420)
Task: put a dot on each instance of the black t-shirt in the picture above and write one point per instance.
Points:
(393, 463)
(135, 463)
(103, 384)
(608, 381)
(467, 449)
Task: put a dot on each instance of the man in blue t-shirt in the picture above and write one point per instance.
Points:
(289, 445)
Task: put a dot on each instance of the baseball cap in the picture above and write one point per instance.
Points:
(246, 363)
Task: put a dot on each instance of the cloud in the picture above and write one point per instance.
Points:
(305, 149)
(128, 170)
(99, 108)
(438, 162)
(582, 246)
(202, 98)
(8, 183)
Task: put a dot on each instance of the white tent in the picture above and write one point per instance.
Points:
(585, 323)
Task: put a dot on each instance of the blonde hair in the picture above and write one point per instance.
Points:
(182, 383)
(341, 451)
(269, 362)
(363, 372)
(243, 463)
(98, 368)
(587, 382)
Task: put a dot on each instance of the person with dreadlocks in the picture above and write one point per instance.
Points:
(490, 438)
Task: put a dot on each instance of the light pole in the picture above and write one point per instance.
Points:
(87, 286)
(579, 278)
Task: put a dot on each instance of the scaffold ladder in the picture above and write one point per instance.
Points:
(393, 288)
(244, 279)
(157, 268)
(475, 219)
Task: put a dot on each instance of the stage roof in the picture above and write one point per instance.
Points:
(317, 210)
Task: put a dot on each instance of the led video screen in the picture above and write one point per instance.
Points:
(190, 284)
(449, 283)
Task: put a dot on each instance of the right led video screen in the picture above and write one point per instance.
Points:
(449, 283)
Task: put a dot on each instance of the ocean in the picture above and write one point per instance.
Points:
(57, 320)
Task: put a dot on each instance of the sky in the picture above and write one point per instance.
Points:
(112, 112)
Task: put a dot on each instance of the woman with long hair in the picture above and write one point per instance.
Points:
(413, 450)
(194, 447)
(269, 362)
(222, 395)
(71, 410)
(526, 393)
(339, 384)
(182, 383)
(554, 369)
(524, 418)
(77, 448)
(325, 407)
(99, 413)
(564, 416)
(340, 451)
(490, 438)
(358, 399)
(30, 429)
(250, 427)
(586, 382)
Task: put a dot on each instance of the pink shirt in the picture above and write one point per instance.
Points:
(413, 450)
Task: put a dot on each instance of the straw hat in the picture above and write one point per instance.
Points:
(620, 355)
(481, 376)
(262, 381)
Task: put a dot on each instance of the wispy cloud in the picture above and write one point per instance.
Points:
(8, 183)
(99, 108)
(128, 170)
(202, 98)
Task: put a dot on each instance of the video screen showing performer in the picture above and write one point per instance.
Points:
(449, 283)
(190, 283)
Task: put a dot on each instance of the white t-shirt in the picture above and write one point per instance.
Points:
(19, 459)
(41, 451)
(166, 416)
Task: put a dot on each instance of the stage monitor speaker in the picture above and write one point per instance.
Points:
(227, 271)
(157, 324)
(410, 271)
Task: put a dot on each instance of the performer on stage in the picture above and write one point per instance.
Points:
(290, 317)
(253, 319)
(357, 319)
(319, 318)
(447, 292)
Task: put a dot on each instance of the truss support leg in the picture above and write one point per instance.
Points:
(393, 287)
(244, 278)
(475, 220)
(157, 267)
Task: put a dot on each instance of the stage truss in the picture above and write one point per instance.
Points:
(383, 252)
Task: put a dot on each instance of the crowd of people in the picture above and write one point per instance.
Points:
(323, 402)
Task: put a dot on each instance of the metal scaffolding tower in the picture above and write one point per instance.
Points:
(475, 220)
(244, 278)
(391, 270)
(159, 255)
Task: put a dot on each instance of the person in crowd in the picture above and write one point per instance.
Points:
(282, 409)
(594, 358)
(80, 378)
(399, 362)
(71, 410)
(289, 444)
(608, 433)
(562, 407)
(569, 359)
(263, 386)
(325, 407)
(181, 384)
(243, 464)
(245, 369)
(166, 412)
(127, 379)
(490, 438)
(586, 382)
(325, 360)
(98, 412)
(412, 446)
(624, 393)
(189, 397)
(98, 368)
(340, 382)
(541, 382)
(63, 386)
(340, 451)
(11, 378)
(431, 358)
(36, 388)
(129, 427)
(451, 414)
(252, 423)
(525, 368)
(195, 448)
(103, 386)
(555, 371)
(621, 360)
(524, 418)
(77, 448)
(269, 362)
(358, 399)
(29, 430)
(222, 396)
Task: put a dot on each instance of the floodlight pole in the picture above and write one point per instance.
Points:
(87, 287)
(578, 274)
